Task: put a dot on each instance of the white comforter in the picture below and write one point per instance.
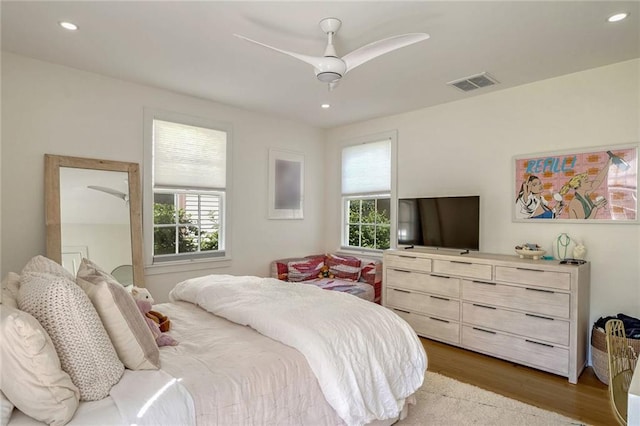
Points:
(367, 360)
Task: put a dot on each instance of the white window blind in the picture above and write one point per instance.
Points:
(188, 157)
(366, 168)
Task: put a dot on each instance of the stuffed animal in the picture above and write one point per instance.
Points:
(325, 273)
(140, 293)
(161, 338)
(163, 322)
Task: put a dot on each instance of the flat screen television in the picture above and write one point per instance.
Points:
(440, 222)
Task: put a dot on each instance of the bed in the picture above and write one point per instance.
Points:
(259, 351)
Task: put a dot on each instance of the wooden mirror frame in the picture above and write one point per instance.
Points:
(52, 164)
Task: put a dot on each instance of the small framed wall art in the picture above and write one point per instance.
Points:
(286, 185)
(595, 185)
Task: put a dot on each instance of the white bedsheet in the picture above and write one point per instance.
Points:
(237, 376)
(366, 359)
(144, 397)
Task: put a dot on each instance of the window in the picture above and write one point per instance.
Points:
(366, 195)
(189, 185)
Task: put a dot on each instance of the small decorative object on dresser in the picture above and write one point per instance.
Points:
(532, 312)
(533, 251)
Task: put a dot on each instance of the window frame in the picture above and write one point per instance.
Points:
(172, 263)
(392, 136)
(199, 254)
(347, 214)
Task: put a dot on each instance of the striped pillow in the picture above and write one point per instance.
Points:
(127, 329)
(303, 270)
(344, 267)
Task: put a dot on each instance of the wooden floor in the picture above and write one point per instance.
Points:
(587, 401)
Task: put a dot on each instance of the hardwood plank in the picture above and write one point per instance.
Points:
(587, 401)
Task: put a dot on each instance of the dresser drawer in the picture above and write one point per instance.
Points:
(534, 326)
(409, 280)
(533, 300)
(462, 269)
(408, 261)
(431, 327)
(424, 303)
(544, 356)
(550, 279)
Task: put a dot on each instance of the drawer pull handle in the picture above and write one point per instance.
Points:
(402, 291)
(538, 343)
(407, 257)
(529, 269)
(482, 282)
(440, 298)
(486, 307)
(483, 330)
(540, 290)
(461, 263)
(402, 270)
(400, 310)
(440, 276)
(438, 319)
(540, 316)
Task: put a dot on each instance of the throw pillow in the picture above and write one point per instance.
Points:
(47, 266)
(305, 269)
(32, 378)
(372, 273)
(344, 267)
(66, 313)
(132, 339)
(10, 288)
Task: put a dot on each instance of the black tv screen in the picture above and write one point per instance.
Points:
(441, 222)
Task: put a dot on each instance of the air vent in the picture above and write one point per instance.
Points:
(473, 82)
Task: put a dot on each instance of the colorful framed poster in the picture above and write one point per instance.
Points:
(286, 185)
(596, 185)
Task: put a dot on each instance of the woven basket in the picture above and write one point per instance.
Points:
(599, 357)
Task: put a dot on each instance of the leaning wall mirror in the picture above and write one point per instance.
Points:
(93, 210)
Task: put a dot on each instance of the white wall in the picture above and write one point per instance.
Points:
(108, 245)
(466, 147)
(48, 108)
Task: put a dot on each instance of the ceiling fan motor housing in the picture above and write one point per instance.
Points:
(330, 69)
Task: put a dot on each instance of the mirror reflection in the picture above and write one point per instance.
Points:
(93, 210)
(94, 220)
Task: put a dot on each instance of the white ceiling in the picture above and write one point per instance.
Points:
(189, 47)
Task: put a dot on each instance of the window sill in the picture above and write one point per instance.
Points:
(187, 265)
(376, 254)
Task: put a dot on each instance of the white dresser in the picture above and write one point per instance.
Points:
(532, 312)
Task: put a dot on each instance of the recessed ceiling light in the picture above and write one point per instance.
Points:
(617, 17)
(325, 106)
(68, 25)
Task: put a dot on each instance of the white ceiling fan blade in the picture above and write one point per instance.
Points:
(380, 47)
(316, 61)
(110, 191)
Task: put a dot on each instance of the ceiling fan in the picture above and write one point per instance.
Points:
(329, 68)
(111, 191)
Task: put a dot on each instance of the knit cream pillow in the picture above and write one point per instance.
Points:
(66, 313)
(120, 316)
(32, 378)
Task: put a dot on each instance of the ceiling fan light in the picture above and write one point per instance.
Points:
(328, 77)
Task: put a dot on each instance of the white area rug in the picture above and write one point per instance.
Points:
(445, 401)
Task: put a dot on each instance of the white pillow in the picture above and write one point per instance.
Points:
(66, 313)
(10, 288)
(6, 408)
(48, 266)
(120, 316)
(32, 378)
